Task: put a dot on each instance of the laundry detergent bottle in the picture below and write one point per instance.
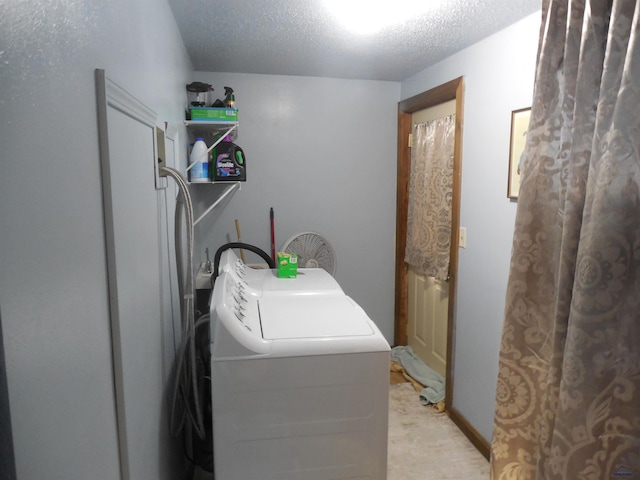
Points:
(229, 162)
(199, 162)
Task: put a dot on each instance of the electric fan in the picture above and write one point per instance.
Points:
(313, 251)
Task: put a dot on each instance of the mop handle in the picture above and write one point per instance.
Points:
(239, 240)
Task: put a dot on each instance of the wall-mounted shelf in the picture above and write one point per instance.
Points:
(213, 132)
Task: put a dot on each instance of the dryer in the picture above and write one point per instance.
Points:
(300, 379)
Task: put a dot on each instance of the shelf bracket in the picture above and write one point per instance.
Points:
(230, 188)
(222, 137)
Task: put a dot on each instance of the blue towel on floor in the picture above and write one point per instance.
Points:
(434, 382)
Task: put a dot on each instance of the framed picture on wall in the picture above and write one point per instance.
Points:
(519, 127)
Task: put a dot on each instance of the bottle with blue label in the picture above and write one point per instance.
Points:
(229, 162)
(199, 162)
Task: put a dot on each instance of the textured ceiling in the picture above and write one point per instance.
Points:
(299, 37)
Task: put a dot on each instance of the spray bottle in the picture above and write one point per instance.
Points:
(229, 97)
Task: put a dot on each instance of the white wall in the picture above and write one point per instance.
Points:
(53, 290)
(498, 76)
(322, 153)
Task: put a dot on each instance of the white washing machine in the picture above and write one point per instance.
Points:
(300, 379)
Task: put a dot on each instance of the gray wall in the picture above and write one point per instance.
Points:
(7, 462)
(53, 289)
(498, 74)
(322, 153)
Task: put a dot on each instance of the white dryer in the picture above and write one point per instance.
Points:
(300, 380)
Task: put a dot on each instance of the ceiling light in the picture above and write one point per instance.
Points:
(370, 16)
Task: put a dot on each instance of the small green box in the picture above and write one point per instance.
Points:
(214, 114)
(287, 265)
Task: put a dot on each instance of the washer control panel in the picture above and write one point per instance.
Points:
(234, 303)
(236, 293)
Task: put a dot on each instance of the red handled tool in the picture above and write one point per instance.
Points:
(273, 236)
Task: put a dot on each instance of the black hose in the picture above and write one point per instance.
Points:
(216, 259)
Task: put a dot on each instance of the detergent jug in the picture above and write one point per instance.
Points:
(229, 162)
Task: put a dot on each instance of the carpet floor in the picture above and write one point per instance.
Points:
(426, 445)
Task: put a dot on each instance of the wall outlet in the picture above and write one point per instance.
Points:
(203, 277)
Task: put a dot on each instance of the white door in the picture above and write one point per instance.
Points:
(428, 297)
(427, 332)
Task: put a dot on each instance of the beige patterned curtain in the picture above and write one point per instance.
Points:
(568, 394)
(430, 191)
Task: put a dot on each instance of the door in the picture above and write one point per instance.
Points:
(427, 322)
(140, 283)
(446, 92)
(429, 297)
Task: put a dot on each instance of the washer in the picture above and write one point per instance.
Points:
(300, 380)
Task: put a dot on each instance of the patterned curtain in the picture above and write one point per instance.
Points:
(430, 192)
(568, 393)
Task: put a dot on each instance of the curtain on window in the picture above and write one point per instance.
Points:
(430, 194)
(568, 393)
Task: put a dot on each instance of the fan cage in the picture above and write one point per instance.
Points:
(313, 251)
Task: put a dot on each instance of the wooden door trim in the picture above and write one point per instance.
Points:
(452, 90)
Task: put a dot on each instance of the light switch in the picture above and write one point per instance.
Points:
(462, 240)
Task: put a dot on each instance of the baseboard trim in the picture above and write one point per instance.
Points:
(471, 433)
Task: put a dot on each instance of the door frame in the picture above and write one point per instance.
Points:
(452, 90)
